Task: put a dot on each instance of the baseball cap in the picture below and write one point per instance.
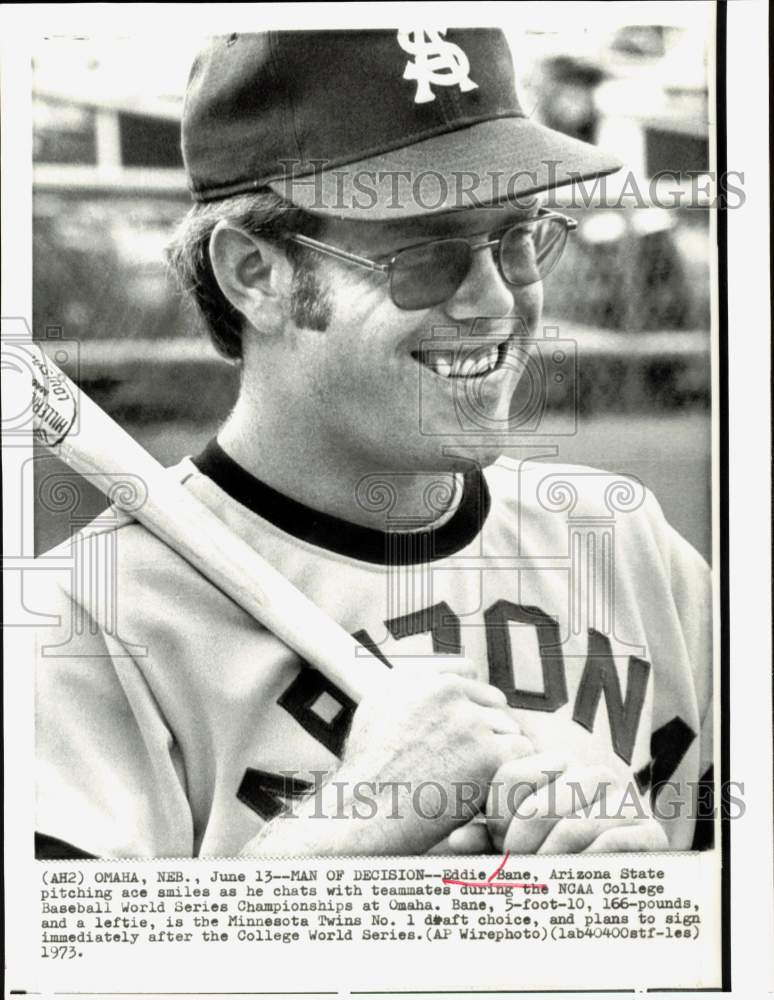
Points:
(371, 124)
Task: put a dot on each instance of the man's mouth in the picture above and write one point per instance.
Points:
(463, 363)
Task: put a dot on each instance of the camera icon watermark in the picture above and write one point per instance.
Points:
(540, 371)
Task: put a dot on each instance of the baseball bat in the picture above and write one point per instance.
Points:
(90, 442)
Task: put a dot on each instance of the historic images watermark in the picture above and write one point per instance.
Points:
(570, 798)
(431, 190)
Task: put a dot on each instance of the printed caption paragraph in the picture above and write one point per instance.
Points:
(235, 911)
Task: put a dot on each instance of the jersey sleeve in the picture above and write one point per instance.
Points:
(692, 591)
(110, 781)
(691, 584)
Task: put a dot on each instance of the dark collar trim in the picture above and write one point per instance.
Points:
(352, 540)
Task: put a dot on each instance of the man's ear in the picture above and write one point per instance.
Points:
(250, 272)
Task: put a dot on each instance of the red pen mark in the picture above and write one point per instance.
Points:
(491, 884)
(500, 867)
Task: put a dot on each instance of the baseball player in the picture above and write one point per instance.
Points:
(368, 245)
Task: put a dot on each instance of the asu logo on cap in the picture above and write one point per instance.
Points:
(436, 61)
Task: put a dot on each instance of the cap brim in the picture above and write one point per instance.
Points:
(504, 160)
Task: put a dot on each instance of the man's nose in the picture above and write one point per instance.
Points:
(484, 292)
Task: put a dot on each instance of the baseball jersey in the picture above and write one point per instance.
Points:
(172, 724)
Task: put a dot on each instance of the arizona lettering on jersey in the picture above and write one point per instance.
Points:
(171, 724)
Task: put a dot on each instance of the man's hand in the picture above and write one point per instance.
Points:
(538, 805)
(423, 747)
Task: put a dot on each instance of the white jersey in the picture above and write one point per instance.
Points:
(171, 724)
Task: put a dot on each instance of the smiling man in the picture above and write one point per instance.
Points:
(368, 246)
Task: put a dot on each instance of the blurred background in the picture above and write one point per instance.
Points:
(630, 300)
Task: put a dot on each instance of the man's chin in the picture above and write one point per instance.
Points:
(459, 455)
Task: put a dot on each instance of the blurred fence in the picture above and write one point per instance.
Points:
(98, 267)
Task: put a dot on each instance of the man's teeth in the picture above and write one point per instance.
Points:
(454, 365)
(442, 362)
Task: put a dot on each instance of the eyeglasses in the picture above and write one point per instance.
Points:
(429, 273)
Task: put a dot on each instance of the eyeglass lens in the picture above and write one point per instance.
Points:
(427, 275)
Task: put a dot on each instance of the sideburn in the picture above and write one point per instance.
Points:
(311, 306)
